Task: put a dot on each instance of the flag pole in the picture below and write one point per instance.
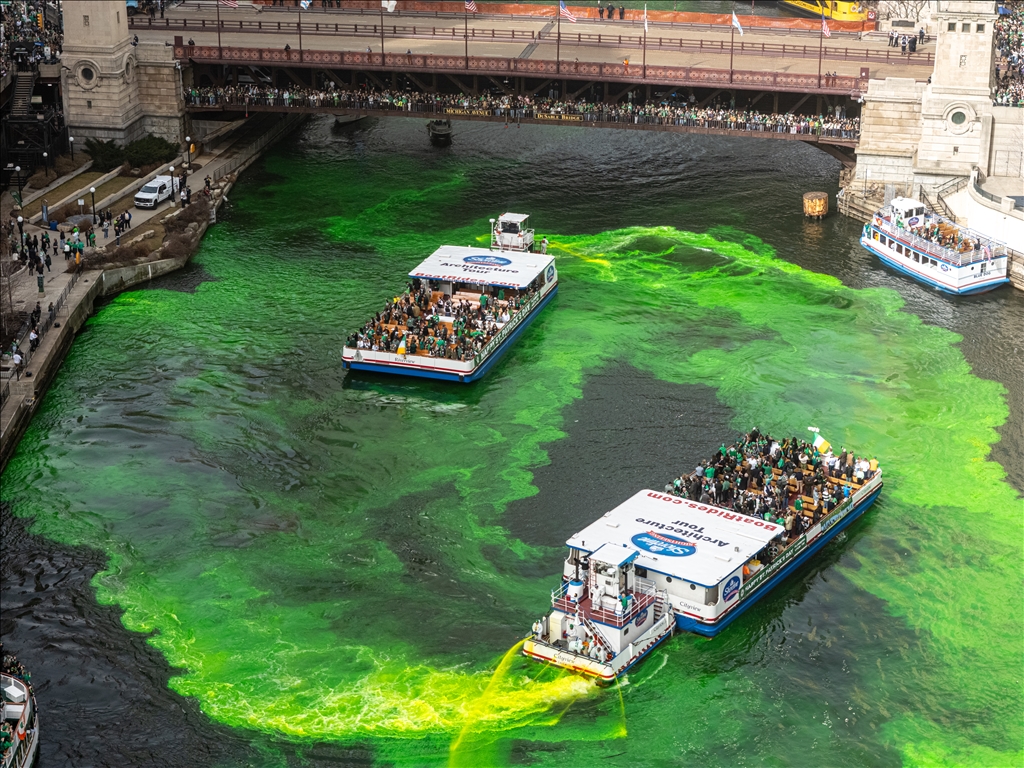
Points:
(732, 43)
(821, 43)
(300, 35)
(558, 40)
(220, 51)
(465, 29)
(645, 42)
(382, 33)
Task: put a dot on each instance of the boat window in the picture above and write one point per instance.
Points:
(899, 249)
(510, 227)
(917, 258)
(640, 571)
(875, 235)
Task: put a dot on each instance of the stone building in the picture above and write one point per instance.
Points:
(112, 88)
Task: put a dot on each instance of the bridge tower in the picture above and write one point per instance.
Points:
(113, 89)
(956, 106)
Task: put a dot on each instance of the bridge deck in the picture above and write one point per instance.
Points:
(526, 38)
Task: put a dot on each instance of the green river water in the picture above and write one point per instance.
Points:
(352, 559)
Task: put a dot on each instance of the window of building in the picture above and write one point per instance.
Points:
(85, 21)
(965, 27)
(951, 27)
(957, 118)
(88, 105)
(963, 61)
(979, 27)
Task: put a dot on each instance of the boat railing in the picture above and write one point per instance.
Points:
(995, 250)
(513, 323)
(643, 597)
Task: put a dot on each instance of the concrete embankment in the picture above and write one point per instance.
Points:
(22, 395)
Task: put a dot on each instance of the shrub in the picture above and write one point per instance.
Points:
(176, 247)
(63, 165)
(151, 150)
(106, 155)
(197, 212)
(123, 254)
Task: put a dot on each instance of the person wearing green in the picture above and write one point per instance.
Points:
(483, 301)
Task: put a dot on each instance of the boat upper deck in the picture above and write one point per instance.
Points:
(908, 220)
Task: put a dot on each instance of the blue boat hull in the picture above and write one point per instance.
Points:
(478, 373)
(890, 262)
(688, 624)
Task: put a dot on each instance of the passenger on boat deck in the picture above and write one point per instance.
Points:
(809, 484)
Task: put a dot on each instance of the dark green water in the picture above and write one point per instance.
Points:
(346, 560)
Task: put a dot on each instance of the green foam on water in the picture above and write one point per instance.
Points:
(330, 560)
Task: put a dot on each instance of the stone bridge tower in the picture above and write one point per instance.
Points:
(113, 89)
(956, 106)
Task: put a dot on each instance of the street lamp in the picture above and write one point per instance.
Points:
(171, 171)
(92, 191)
(188, 150)
(71, 143)
(21, 230)
(17, 172)
(46, 166)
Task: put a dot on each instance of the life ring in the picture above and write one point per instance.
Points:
(871, 15)
(608, 656)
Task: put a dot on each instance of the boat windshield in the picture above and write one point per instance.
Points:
(510, 227)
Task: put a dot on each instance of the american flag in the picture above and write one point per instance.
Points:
(824, 27)
(563, 11)
(471, 6)
(229, 3)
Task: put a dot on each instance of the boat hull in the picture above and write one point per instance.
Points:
(946, 286)
(409, 366)
(689, 624)
(813, 10)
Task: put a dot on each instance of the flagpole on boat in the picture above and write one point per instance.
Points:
(465, 30)
(220, 51)
(645, 41)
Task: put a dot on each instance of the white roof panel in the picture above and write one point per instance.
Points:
(685, 539)
(516, 217)
(507, 269)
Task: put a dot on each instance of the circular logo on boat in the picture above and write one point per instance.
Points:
(945, 267)
(641, 617)
(660, 544)
(731, 589)
(487, 261)
(913, 221)
(551, 273)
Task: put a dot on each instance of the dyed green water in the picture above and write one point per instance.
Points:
(330, 558)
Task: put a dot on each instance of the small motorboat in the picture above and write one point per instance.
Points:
(440, 132)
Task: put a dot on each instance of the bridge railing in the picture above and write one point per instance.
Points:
(595, 113)
(583, 39)
(538, 68)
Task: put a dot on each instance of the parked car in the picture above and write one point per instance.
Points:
(156, 191)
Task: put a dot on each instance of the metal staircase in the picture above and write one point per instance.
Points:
(24, 85)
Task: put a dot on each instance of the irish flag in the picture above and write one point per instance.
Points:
(821, 445)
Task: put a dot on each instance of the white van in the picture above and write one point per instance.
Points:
(156, 191)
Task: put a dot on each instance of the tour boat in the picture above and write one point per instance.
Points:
(20, 723)
(660, 562)
(933, 249)
(511, 280)
(440, 132)
(834, 10)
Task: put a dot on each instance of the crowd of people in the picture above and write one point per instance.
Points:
(1009, 33)
(422, 321)
(10, 666)
(809, 484)
(23, 43)
(681, 112)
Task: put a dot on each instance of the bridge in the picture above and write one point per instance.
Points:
(528, 54)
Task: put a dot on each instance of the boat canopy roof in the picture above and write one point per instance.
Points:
(908, 206)
(613, 555)
(699, 543)
(504, 269)
(518, 218)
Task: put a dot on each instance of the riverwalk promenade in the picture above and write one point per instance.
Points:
(75, 293)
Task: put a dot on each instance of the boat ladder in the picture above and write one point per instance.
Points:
(598, 637)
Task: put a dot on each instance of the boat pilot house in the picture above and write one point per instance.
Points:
(463, 309)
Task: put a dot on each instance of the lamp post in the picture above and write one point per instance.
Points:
(46, 166)
(71, 145)
(17, 172)
(173, 196)
(21, 231)
(188, 150)
(92, 191)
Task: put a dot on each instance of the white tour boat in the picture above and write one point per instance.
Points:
(932, 249)
(660, 562)
(19, 728)
(462, 311)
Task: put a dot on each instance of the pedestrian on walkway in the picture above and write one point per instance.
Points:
(106, 228)
(16, 359)
(46, 260)
(67, 251)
